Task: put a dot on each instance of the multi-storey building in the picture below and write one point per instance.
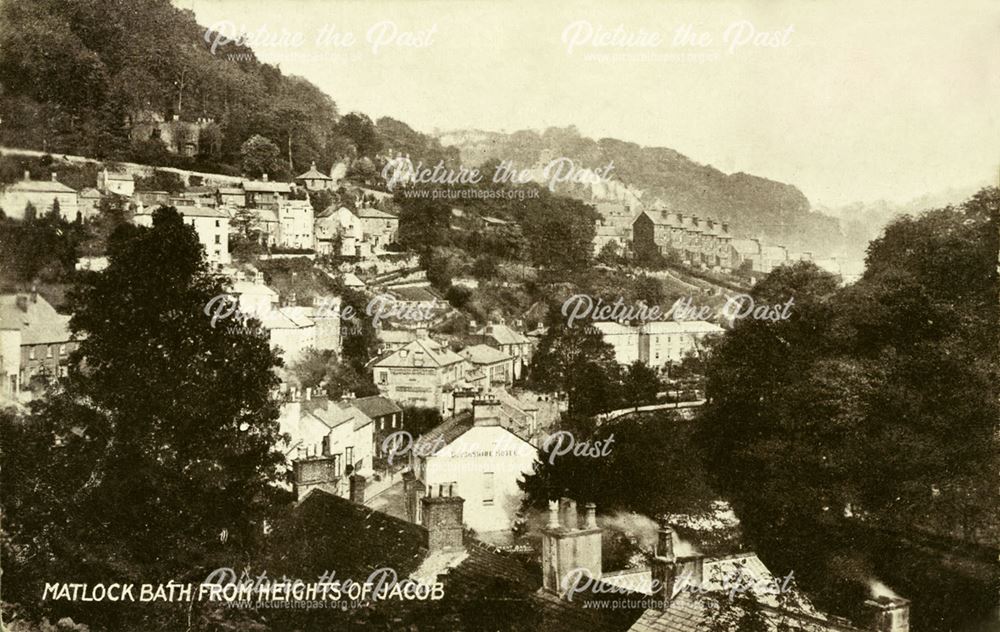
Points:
(696, 241)
(211, 226)
(510, 342)
(35, 341)
(422, 373)
(670, 340)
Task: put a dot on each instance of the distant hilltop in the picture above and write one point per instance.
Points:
(755, 206)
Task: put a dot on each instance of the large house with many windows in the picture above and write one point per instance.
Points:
(421, 373)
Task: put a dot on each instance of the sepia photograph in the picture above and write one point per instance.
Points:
(500, 316)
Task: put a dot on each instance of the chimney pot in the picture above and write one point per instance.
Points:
(264, 177)
(53, 176)
(590, 522)
(27, 175)
(553, 514)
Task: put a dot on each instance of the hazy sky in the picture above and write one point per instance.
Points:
(857, 101)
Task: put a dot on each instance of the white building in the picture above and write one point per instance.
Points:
(623, 338)
(296, 225)
(482, 461)
(336, 436)
(670, 340)
(211, 226)
(119, 183)
(291, 330)
(43, 195)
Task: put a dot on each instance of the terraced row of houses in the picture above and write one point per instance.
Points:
(702, 242)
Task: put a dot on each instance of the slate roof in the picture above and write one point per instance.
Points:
(260, 186)
(374, 213)
(413, 294)
(689, 612)
(201, 211)
(40, 186)
(676, 327)
(40, 324)
(503, 335)
(335, 414)
(484, 589)
(376, 406)
(313, 174)
(430, 352)
(483, 354)
(449, 430)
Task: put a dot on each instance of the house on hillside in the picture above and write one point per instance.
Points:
(35, 342)
(510, 342)
(624, 339)
(314, 180)
(329, 442)
(422, 373)
(296, 225)
(670, 340)
(42, 195)
(117, 183)
(495, 367)
(211, 225)
(264, 193)
(378, 228)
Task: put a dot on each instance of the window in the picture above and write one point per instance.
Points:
(48, 351)
(338, 465)
(62, 349)
(326, 445)
(216, 223)
(31, 353)
(383, 424)
(383, 378)
(349, 455)
(218, 239)
(394, 420)
(488, 488)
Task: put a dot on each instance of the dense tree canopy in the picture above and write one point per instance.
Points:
(157, 453)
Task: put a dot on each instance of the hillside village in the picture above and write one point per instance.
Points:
(415, 363)
(491, 387)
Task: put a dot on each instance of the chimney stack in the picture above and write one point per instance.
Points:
(422, 333)
(888, 614)
(413, 490)
(357, 489)
(566, 548)
(263, 177)
(442, 517)
(486, 411)
(664, 567)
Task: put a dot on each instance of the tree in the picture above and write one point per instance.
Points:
(259, 155)
(576, 360)
(872, 403)
(162, 438)
(638, 465)
(640, 385)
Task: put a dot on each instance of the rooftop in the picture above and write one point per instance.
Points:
(376, 406)
(422, 352)
(483, 354)
(38, 322)
(503, 334)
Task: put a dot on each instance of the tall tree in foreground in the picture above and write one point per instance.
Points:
(154, 461)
